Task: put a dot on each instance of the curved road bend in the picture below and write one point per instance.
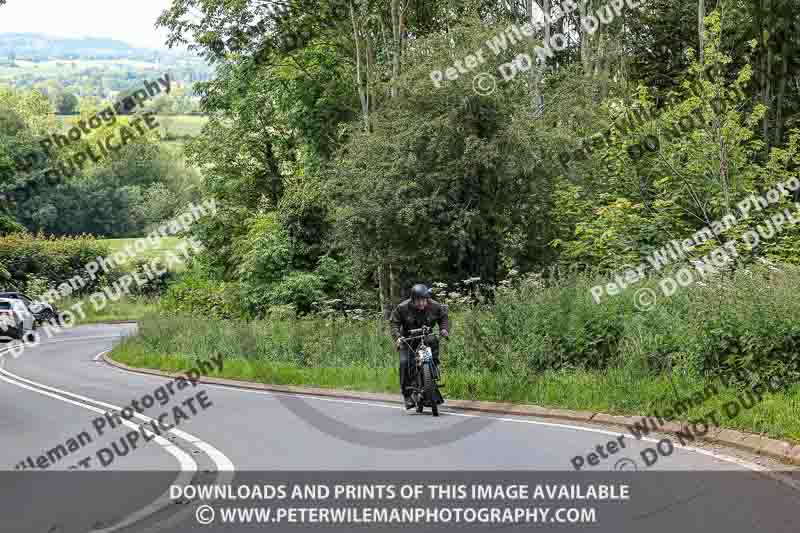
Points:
(53, 394)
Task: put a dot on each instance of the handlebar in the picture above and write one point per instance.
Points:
(419, 333)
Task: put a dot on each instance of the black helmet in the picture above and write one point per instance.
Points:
(420, 291)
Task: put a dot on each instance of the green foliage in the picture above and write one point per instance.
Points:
(5, 275)
(155, 287)
(8, 225)
(196, 295)
(300, 290)
(37, 285)
(688, 181)
(357, 357)
(747, 323)
(611, 238)
(762, 339)
(140, 185)
(31, 259)
(341, 172)
(67, 104)
(265, 253)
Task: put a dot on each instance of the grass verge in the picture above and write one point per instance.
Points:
(279, 353)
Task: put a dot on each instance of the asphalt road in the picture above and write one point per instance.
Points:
(57, 394)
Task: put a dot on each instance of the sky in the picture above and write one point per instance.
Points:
(131, 21)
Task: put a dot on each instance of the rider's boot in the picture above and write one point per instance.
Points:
(409, 402)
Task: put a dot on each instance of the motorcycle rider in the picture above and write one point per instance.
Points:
(417, 311)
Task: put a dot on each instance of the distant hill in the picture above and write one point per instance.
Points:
(41, 47)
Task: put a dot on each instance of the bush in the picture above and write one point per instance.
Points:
(747, 321)
(195, 295)
(49, 260)
(154, 287)
(754, 330)
(301, 290)
(8, 225)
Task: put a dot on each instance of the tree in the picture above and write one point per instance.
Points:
(334, 155)
(67, 104)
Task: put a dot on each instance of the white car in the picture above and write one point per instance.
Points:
(16, 320)
(42, 311)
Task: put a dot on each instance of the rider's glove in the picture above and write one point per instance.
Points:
(445, 333)
(398, 343)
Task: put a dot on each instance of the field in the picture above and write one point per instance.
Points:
(172, 126)
(166, 244)
(55, 68)
(181, 126)
(126, 308)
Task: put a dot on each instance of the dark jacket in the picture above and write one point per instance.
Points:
(405, 317)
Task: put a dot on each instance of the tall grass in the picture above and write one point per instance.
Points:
(549, 345)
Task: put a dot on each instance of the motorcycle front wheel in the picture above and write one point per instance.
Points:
(428, 386)
(418, 396)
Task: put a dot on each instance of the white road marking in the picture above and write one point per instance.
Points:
(188, 466)
(71, 339)
(7, 349)
(708, 453)
(734, 460)
(795, 484)
(739, 462)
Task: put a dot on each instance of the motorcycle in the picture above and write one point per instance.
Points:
(424, 372)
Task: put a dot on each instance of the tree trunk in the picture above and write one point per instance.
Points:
(586, 55)
(533, 85)
(779, 119)
(547, 9)
(362, 86)
(547, 28)
(394, 284)
(396, 44)
(398, 31)
(385, 283)
(766, 73)
(767, 97)
(603, 67)
(275, 185)
(536, 76)
(701, 15)
(381, 299)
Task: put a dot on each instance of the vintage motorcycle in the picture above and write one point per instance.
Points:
(424, 372)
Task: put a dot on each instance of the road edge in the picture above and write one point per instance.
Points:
(783, 451)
